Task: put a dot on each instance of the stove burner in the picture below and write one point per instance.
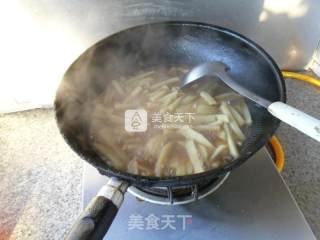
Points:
(177, 196)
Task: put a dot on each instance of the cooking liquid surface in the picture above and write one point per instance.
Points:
(146, 125)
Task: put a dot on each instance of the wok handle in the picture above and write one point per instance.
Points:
(296, 118)
(95, 220)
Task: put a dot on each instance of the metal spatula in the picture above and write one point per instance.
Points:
(290, 115)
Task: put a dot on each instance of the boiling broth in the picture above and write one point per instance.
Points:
(146, 125)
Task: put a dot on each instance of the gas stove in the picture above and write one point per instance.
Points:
(177, 195)
(252, 202)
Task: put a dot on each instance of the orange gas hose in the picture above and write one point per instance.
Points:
(274, 141)
(278, 152)
(299, 76)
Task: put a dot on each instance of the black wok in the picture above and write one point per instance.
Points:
(151, 46)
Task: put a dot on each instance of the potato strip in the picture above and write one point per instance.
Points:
(231, 143)
(153, 146)
(158, 95)
(237, 116)
(208, 118)
(212, 126)
(174, 104)
(163, 158)
(178, 166)
(118, 87)
(246, 113)
(233, 124)
(134, 93)
(165, 82)
(205, 109)
(217, 152)
(133, 167)
(228, 96)
(140, 76)
(193, 154)
(222, 135)
(188, 99)
(207, 97)
(189, 133)
(203, 152)
(167, 99)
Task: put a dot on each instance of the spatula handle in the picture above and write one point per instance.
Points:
(297, 119)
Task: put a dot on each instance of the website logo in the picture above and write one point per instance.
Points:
(136, 120)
